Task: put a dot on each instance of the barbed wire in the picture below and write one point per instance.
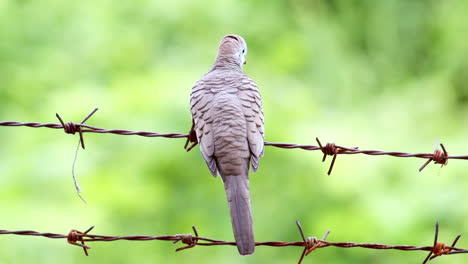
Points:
(309, 244)
(329, 149)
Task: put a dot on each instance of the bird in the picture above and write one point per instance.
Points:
(228, 124)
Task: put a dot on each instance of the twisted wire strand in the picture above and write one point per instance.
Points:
(309, 244)
(328, 149)
(340, 149)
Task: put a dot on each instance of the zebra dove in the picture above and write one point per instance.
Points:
(228, 122)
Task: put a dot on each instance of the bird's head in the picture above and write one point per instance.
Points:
(233, 46)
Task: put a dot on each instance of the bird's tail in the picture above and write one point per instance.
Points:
(238, 196)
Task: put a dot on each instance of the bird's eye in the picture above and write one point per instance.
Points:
(243, 51)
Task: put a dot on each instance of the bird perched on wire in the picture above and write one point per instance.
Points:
(228, 123)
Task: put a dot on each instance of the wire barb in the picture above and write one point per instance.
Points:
(438, 249)
(72, 128)
(306, 245)
(317, 243)
(329, 149)
(310, 243)
(74, 236)
(191, 137)
(439, 157)
(187, 239)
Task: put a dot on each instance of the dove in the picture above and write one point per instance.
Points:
(228, 124)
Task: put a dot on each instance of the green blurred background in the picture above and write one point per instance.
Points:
(389, 75)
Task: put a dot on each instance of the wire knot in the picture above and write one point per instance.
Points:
(71, 128)
(329, 149)
(310, 244)
(187, 239)
(440, 249)
(75, 236)
(439, 157)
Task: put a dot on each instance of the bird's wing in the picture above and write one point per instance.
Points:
(201, 101)
(252, 107)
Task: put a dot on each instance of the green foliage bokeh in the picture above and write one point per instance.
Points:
(388, 75)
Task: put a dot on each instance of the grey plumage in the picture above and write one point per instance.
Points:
(228, 121)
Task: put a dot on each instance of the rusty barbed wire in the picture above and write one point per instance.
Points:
(309, 244)
(330, 149)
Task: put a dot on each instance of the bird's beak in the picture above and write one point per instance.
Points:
(245, 62)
